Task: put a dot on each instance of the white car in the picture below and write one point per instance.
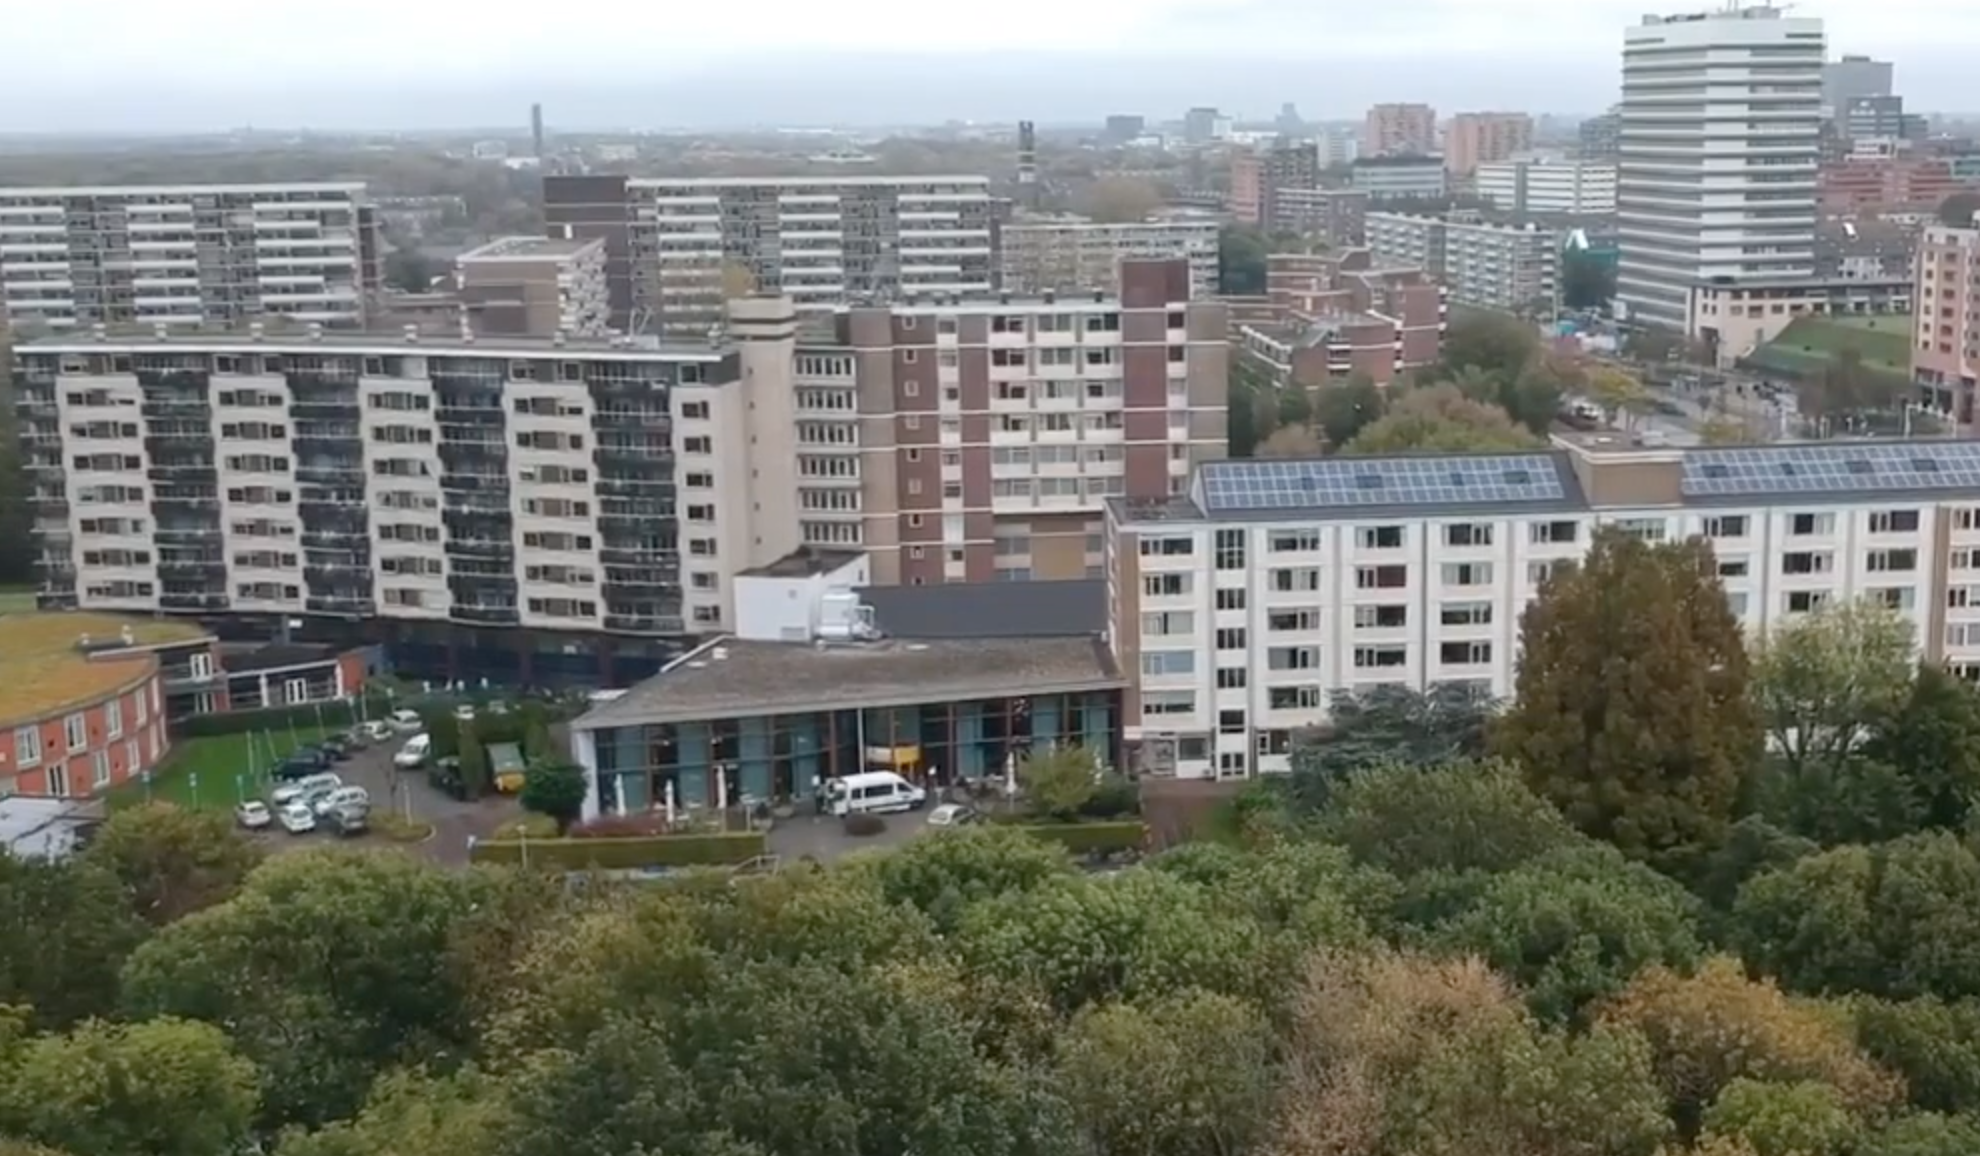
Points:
(406, 721)
(298, 819)
(341, 799)
(464, 712)
(377, 730)
(414, 753)
(953, 815)
(304, 787)
(254, 815)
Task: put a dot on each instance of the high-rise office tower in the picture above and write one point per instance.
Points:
(1720, 139)
(1853, 77)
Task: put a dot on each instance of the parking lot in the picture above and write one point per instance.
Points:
(406, 794)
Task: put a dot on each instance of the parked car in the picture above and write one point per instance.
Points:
(336, 746)
(298, 819)
(377, 730)
(406, 721)
(445, 776)
(954, 815)
(301, 764)
(318, 783)
(464, 712)
(344, 822)
(342, 799)
(356, 739)
(253, 814)
(414, 753)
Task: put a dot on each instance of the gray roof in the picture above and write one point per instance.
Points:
(770, 678)
(990, 609)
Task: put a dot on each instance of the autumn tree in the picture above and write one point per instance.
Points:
(173, 860)
(1189, 1074)
(1342, 411)
(1825, 682)
(1390, 724)
(943, 876)
(164, 1087)
(1459, 817)
(1441, 418)
(1290, 441)
(1058, 781)
(1631, 712)
(66, 929)
(1618, 392)
(1120, 199)
(1716, 1025)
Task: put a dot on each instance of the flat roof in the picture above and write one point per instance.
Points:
(805, 562)
(530, 248)
(766, 678)
(1075, 607)
(46, 191)
(800, 179)
(234, 341)
(44, 672)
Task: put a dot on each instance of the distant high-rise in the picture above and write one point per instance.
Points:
(1027, 164)
(1122, 128)
(1720, 140)
(1399, 130)
(536, 130)
(1852, 77)
(1597, 137)
(1483, 138)
(1200, 125)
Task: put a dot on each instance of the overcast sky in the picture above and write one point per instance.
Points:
(115, 65)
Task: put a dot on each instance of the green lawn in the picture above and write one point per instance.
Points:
(16, 599)
(1883, 341)
(215, 772)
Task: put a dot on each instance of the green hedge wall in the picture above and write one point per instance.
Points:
(625, 852)
(1090, 838)
(337, 714)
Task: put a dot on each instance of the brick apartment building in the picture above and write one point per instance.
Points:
(1257, 179)
(1945, 345)
(1857, 183)
(1399, 130)
(1482, 138)
(1325, 316)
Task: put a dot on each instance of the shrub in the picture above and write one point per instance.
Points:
(624, 853)
(397, 828)
(1091, 838)
(862, 825)
(278, 718)
(1114, 797)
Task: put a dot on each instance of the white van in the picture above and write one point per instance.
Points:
(343, 798)
(872, 791)
(414, 753)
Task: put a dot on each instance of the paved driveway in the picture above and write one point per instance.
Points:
(408, 793)
(824, 838)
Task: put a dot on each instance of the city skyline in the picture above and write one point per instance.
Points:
(861, 62)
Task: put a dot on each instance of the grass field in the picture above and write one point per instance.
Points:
(215, 772)
(16, 599)
(1884, 341)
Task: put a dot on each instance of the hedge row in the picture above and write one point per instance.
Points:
(625, 852)
(1091, 838)
(278, 718)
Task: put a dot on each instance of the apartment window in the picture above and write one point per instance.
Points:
(1294, 541)
(1467, 573)
(1301, 579)
(1726, 526)
(1806, 562)
(1381, 617)
(694, 410)
(1643, 529)
(1282, 621)
(1896, 597)
(99, 770)
(27, 746)
(58, 780)
(1479, 534)
(697, 445)
(1230, 549)
(1894, 522)
(1806, 601)
(1230, 600)
(113, 719)
(1472, 653)
(1555, 533)
(1230, 678)
(1159, 662)
(1379, 657)
(1164, 585)
(1465, 614)
(1380, 577)
(1230, 638)
(131, 758)
(1804, 525)
(1292, 658)
(1293, 698)
(1736, 602)
(1893, 561)
(1961, 597)
(76, 730)
(1159, 702)
(1163, 622)
(1379, 537)
(1167, 547)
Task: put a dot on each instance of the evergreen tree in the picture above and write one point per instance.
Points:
(1631, 711)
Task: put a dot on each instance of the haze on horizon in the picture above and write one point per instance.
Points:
(128, 66)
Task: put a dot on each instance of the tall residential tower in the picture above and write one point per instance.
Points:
(1720, 138)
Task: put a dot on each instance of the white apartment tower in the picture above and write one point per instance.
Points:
(1720, 136)
(186, 255)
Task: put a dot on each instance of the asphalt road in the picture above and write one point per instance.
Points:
(408, 793)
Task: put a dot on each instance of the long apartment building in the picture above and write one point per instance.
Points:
(1070, 254)
(1549, 185)
(187, 255)
(1511, 266)
(584, 487)
(534, 287)
(1237, 608)
(677, 247)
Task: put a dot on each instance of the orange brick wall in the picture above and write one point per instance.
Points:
(145, 700)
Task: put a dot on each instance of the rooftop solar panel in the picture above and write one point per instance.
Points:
(1237, 486)
(1831, 468)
